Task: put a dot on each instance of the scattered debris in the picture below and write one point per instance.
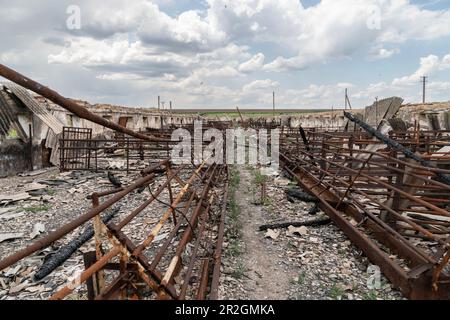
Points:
(37, 230)
(300, 195)
(114, 181)
(33, 173)
(273, 234)
(310, 223)
(10, 236)
(11, 215)
(301, 231)
(7, 199)
(54, 260)
(34, 186)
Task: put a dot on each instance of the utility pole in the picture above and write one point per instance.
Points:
(170, 105)
(376, 110)
(159, 103)
(424, 82)
(273, 102)
(347, 100)
(332, 117)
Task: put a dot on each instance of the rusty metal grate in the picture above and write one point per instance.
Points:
(76, 147)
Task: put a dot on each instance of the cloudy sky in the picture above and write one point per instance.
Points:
(227, 53)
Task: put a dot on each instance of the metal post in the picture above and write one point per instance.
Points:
(128, 155)
(31, 147)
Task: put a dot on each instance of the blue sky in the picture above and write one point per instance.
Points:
(228, 53)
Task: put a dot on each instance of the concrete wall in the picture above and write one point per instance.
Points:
(15, 157)
(424, 114)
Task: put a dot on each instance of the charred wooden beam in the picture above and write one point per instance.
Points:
(309, 223)
(65, 252)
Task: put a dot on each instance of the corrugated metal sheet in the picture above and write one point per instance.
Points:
(39, 110)
(8, 117)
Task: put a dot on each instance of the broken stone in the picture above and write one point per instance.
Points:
(2, 284)
(13, 271)
(18, 288)
(282, 182)
(302, 231)
(37, 230)
(273, 234)
(313, 240)
(40, 288)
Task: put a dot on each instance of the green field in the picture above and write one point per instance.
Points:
(255, 114)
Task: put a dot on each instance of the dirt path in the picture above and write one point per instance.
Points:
(266, 276)
(319, 265)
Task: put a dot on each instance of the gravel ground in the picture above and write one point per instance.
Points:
(54, 207)
(320, 263)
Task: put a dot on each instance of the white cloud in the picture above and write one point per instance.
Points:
(428, 66)
(343, 30)
(260, 85)
(222, 50)
(371, 91)
(445, 63)
(382, 53)
(254, 64)
(438, 86)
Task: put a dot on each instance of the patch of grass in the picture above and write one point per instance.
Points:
(259, 178)
(371, 295)
(234, 248)
(234, 209)
(336, 291)
(235, 179)
(271, 210)
(50, 191)
(291, 245)
(267, 202)
(12, 134)
(240, 271)
(257, 113)
(300, 279)
(234, 232)
(35, 209)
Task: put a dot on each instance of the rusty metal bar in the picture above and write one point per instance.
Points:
(52, 237)
(67, 104)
